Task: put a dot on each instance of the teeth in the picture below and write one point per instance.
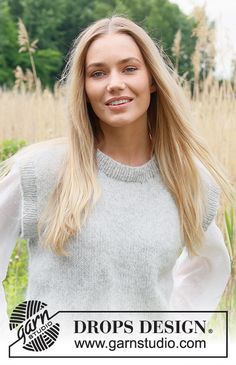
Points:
(117, 102)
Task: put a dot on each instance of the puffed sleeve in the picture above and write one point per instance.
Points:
(199, 281)
(10, 223)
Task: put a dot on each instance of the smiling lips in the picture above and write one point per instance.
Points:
(118, 101)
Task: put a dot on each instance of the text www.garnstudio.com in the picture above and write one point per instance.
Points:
(146, 343)
(159, 328)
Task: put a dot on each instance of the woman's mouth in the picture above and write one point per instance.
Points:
(118, 104)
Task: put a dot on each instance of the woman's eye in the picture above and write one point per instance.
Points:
(97, 74)
(130, 69)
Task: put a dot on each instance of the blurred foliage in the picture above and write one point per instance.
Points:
(228, 301)
(9, 57)
(9, 148)
(230, 296)
(55, 24)
(16, 280)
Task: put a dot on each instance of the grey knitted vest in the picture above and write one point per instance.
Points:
(124, 255)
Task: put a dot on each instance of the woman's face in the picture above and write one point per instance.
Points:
(117, 81)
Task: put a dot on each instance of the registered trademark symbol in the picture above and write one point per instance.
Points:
(210, 330)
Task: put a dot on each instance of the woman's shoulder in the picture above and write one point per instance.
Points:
(47, 154)
(35, 158)
(205, 175)
(201, 168)
(40, 164)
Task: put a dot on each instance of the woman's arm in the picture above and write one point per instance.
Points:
(200, 281)
(10, 223)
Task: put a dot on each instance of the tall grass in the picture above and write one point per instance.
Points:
(32, 116)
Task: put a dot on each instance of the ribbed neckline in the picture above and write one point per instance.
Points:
(119, 171)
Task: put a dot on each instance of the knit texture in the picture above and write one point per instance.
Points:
(124, 255)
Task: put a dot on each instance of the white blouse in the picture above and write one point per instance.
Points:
(199, 281)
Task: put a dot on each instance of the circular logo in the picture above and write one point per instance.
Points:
(34, 326)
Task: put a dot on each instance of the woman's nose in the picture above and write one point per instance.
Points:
(115, 82)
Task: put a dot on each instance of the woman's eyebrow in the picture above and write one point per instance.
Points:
(124, 60)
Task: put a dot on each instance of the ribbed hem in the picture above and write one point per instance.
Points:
(119, 171)
(213, 205)
(30, 209)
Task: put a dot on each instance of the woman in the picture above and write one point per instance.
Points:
(108, 210)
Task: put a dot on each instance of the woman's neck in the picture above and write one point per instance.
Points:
(130, 154)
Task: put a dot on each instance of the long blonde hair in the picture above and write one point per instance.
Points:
(176, 145)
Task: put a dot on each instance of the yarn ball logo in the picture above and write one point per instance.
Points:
(34, 325)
